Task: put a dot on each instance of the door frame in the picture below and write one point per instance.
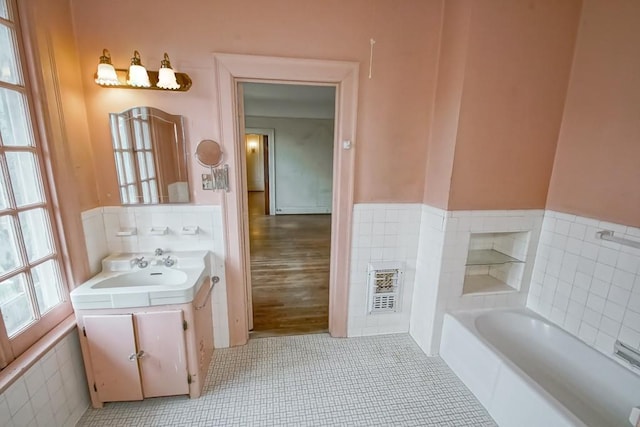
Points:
(270, 187)
(230, 69)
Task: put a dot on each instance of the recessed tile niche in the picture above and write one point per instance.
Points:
(495, 262)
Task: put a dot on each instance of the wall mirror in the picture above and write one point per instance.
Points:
(150, 155)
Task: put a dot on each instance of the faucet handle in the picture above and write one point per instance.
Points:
(168, 261)
(159, 251)
(140, 262)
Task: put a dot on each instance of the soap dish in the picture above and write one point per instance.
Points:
(124, 232)
(158, 231)
(190, 230)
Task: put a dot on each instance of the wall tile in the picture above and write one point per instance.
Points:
(17, 396)
(604, 295)
(382, 232)
(442, 251)
(32, 398)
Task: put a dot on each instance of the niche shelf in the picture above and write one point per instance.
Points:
(495, 262)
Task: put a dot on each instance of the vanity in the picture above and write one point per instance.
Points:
(145, 325)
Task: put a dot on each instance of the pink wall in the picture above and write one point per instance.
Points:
(446, 112)
(394, 106)
(515, 80)
(597, 165)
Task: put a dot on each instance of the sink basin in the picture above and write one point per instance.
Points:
(122, 283)
(152, 276)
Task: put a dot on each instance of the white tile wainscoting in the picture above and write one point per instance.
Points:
(433, 245)
(101, 227)
(586, 285)
(52, 392)
(442, 254)
(382, 232)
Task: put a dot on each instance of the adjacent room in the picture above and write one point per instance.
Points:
(302, 212)
(289, 135)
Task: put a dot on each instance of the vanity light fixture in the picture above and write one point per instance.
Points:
(138, 77)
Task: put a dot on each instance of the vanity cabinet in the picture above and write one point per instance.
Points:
(136, 353)
(146, 351)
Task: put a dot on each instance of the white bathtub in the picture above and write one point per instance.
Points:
(528, 372)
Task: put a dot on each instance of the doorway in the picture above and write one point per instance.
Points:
(289, 143)
(231, 69)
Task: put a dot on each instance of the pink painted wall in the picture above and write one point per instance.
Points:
(394, 106)
(502, 76)
(446, 111)
(517, 68)
(597, 165)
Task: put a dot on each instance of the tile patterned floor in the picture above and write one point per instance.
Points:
(313, 380)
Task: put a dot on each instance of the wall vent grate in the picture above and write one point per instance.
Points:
(384, 288)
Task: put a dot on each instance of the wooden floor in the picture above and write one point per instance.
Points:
(289, 271)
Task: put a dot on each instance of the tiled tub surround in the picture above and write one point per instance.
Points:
(52, 392)
(382, 233)
(102, 225)
(588, 286)
(442, 254)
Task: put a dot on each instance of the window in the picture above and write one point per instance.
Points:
(32, 291)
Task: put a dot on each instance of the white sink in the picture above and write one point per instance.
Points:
(122, 283)
(152, 276)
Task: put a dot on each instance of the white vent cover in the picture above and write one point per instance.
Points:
(385, 284)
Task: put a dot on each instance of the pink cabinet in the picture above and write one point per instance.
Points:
(161, 353)
(137, 355)
(111, 342)
(132, 354)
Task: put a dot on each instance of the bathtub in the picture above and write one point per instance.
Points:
(528, 372)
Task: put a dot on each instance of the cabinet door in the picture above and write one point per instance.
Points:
(111, 345)
(163, 366)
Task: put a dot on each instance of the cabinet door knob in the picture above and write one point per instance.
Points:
(135, 356)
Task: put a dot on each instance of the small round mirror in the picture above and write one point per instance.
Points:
(209, 153)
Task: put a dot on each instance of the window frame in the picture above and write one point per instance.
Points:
(11, 348)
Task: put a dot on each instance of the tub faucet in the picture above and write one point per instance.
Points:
(159, 252)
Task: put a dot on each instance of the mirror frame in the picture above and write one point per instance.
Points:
(181, 152)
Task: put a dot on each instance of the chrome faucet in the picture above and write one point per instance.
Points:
(140, 262)
(168, 262)
(159, 252)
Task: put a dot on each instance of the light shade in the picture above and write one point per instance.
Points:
(166, 75)
(138, 75)
(106, 74)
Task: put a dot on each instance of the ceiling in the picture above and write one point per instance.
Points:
(286, 100)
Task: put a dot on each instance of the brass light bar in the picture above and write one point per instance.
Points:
(183, 80)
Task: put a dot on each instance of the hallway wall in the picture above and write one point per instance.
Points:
(303, 163)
